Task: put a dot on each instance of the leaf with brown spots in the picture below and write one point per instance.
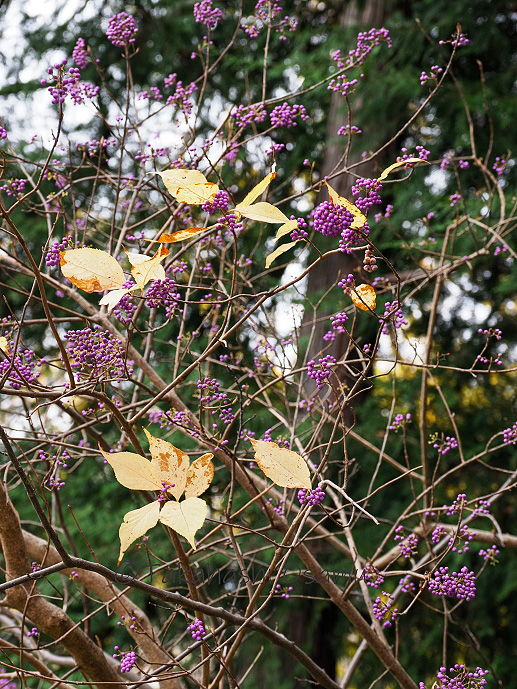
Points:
(199, 476)
(172, 464)
(92, 270)
(364, 297)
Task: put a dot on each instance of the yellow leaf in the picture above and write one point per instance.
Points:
(189, 186)
(364, 297)
(112, 298)
(180, 235)
(174, 179)
(278, 251)
(136, 523)
(337, 200)
(257, 190)
(196, 194)
(4, 344)
(92, 270)
(147, 268)
(286, 228)
(387, 171)
(263, 212)
(199, 476)
(133, 471)
(185, 517)
(284, 467)
(170, 463)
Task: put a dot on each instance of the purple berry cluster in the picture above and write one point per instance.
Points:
(79, 54)
(433, 74)
(14, 187)
(33, 632)
(97, 354)
(449, 443)
(300, 232)
(311, 497)
(460, 584)
(285, 115)
(320, 371)
(127, 660)
(499, 166)
(457, 505)
(122, 29)
(399, 421)
(331, 220)
(408, 546)
(383, 609)
(459, 677)
(510, 435)
(372, 577)
(62, 84)
(348, 130)
(284, 592)
(181, 96)
(163, 293)
(407, 585)
(489, 555)
(6, 683)
(220, 202)
(205, 13)
(126, 307)
(21, 369)
(338, 326)
(370, 189)
(393, 311)
(197, 629)
(53, 255)
(366, 41)
(245, 115)
(465, 536)
(3, 133)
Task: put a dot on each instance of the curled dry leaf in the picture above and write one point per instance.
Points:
(387, 171)
(185, 517)
(111, 299)
(337, 200)
(180, 235)
(284, 467)
(92, 270)
(364, 297)
(279, 251)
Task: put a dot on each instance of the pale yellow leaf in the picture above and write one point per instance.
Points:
(284, 467)
(279, 251)
(286, 228)
(337, 200)
(150, 269)
(92, 270)
(263, 212)
(133, 471)
(196, 194)
(170, 464)
(136, 523)
(111, 299)
(180, 235)
(257, 190)
(185, 517)
(364, 297)
(387, 171)
(173, 179)
(199, 476)
(4, 345)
